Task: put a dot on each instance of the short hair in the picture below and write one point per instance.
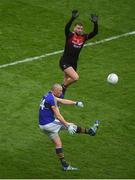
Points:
(56, 85)
(79, 23)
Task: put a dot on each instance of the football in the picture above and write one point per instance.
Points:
(112, 78)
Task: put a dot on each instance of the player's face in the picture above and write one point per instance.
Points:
(78, 29)
(58, 92)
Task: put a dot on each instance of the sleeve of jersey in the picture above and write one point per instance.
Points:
(67, 27)
(52, 102)
(93, 33)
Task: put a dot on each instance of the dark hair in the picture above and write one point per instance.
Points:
(79, 23)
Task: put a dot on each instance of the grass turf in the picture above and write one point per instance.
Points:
(31, 28)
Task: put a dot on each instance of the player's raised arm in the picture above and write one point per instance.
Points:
(68, 25)
(69, 102)
(94, 19)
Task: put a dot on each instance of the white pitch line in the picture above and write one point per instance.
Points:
(110, 38)
(60, 51)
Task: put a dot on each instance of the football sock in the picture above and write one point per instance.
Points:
(63, 162)
(64, 88)
(82, 130)
(91, 131)
(59, 152)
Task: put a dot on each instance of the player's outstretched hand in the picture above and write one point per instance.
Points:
(71, 129)
(79, 104)
(94, 18)
(75, 14)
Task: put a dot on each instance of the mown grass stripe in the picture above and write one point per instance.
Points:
(60, 51)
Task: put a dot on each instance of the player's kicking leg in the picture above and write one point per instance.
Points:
(90, 131)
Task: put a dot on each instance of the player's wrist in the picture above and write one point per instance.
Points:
(94, 18)
(73, 18)
(75, 14)
(79, 104)
(67, 124)
(76, 103)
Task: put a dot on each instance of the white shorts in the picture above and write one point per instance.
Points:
(53, 128)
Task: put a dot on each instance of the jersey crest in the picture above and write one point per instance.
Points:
(77, 40)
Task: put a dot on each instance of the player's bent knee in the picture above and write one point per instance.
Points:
(76, 78)
(58, 145)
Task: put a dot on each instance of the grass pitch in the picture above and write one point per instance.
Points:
(35, 27)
